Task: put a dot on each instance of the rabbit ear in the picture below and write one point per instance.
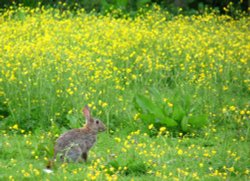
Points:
(86, 113)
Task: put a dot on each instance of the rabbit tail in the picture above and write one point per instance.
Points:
(50, 164)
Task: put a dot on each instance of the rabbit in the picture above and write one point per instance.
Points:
(75, 144)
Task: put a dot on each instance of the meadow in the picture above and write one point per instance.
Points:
(172, 90)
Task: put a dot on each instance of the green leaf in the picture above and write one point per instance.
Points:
(169, 122)
(167, 110)
(155, 92)
(142, 2)
(178, 113)
(184, 124)
(148, 118)
(148, 106)
(142, 102)
(187, 103)
(73, 121)
(198, 121)
(121, 3)
(105, 5)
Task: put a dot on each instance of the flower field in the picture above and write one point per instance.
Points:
(54, 62)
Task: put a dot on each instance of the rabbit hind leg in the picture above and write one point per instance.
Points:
(74, 154)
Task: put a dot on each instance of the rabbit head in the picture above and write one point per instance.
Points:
(92, 124)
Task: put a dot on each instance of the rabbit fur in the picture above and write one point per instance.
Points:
(75, 144)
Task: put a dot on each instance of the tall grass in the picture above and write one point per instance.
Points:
(52, 63)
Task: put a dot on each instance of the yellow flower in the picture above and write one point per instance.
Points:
(242, 112)
(150, 126)
(170, 104)
(180, 152)
(104, 104)
(225, 88)
(231, 169)
(15, 127)
(162, 129)
(36, 172)
(118, 140)
(247, 172)
(136, 116)
(206, 155)
(232, 108)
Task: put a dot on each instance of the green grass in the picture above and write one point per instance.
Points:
(221, 154)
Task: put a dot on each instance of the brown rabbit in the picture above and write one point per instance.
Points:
(75, 144)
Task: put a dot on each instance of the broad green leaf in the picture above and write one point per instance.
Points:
(184, 124)
(187, 103)
(148, 118)
(167, 110)
(178, 113)
(139, 105)
(198, 121)
(143, 103)
(148, 106)
(169, 122)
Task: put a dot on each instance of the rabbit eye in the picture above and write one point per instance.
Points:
(97, 121)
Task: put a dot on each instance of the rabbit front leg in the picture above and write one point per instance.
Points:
(84, 156)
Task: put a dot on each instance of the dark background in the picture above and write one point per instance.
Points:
(191, 6)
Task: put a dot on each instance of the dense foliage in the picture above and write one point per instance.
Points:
(53, 63)
(189, 6)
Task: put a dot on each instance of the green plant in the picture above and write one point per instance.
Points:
(179, 115)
